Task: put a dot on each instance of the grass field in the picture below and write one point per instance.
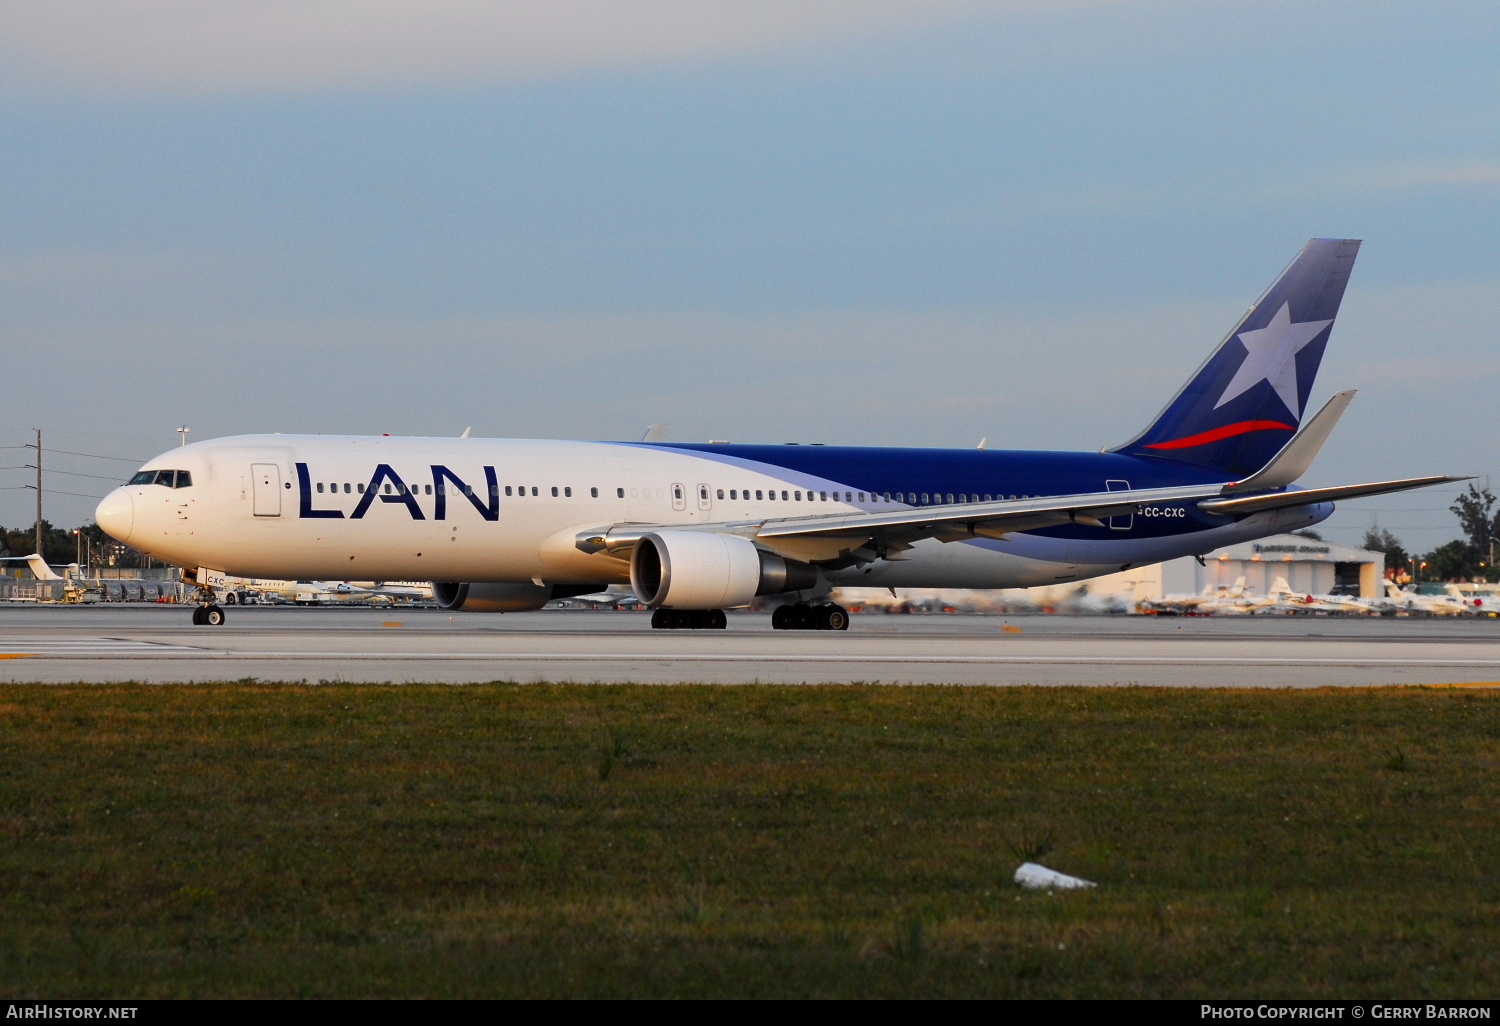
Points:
(242, 839)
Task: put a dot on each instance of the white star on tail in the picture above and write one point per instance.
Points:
(1270, 355)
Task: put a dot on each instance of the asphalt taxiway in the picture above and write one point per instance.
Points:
(158, 644)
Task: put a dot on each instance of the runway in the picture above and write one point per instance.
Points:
(158, 644)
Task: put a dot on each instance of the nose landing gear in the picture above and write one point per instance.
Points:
(801, 617)
(208, 616)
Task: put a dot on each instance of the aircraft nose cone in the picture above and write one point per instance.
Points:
(116, 515)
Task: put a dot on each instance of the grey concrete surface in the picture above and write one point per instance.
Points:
(159, 644)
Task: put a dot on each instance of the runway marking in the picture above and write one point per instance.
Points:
(180, 652)
(84, 647)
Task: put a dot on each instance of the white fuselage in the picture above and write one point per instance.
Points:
(384, 508)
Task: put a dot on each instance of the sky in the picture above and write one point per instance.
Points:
(855, 222)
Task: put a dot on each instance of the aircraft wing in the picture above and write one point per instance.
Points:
(983, 519)
(958, 521)
(952, 522)
(1280, 500)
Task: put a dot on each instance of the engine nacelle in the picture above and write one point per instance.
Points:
(489, 597)
(702, 570)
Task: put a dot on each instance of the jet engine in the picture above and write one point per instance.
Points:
(490, 597)
(700, 570)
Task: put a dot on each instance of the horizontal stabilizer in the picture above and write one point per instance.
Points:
(1305, 496)
(1298, 454)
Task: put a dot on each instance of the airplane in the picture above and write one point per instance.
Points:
(76, 588)
(1433, 605)
(1473, 603)
(302, 593)
(694, 528)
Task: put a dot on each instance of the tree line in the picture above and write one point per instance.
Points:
(1463, 559)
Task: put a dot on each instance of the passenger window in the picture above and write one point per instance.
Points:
(387, 489)
(554, 491)
(861, 496)
(507, 489)
(533, 490)
(924, 498)
(721, 495)
(346, 487)
(320, 487)
(619, 493)
(797, 496)
(359, 486)
(733, 494)
(757, 495)
(567, 492)
(594, 493)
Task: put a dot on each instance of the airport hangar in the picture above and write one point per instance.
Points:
(1310, 566)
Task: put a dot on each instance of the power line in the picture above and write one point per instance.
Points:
(50, 491)
(90, 455)
(70, 473)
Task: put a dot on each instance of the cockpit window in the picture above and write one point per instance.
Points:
(170, 478)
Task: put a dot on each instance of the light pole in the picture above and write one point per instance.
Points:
(183, 431)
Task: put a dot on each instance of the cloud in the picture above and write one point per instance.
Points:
(294, 45)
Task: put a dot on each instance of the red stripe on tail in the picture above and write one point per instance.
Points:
(1217, 433)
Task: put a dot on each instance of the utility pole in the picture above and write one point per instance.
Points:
(39, 492)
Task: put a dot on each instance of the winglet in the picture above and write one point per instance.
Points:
(1298, 454)
(656, 433)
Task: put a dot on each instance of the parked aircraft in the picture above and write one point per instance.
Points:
(1432, 605)
(75, 587)
(504, 524)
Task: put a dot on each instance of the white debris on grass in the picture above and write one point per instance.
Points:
(1035, 877)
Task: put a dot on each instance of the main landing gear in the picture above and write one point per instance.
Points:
(689, 620)
(801, 617)
(208, 616)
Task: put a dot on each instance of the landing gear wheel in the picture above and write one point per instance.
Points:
(661, 620)
(198, 612)
(213, 616)
(804, 618)
(781, 618)
(832, 618)
(715, 620)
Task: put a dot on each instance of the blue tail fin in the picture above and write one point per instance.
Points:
(1247, 399)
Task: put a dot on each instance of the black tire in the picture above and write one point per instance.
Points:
(715, 620)
(198, 612)
(213, 616)
(803, 618)
(781, 618)
(231, 599)
(661, 620)
(833, 618)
